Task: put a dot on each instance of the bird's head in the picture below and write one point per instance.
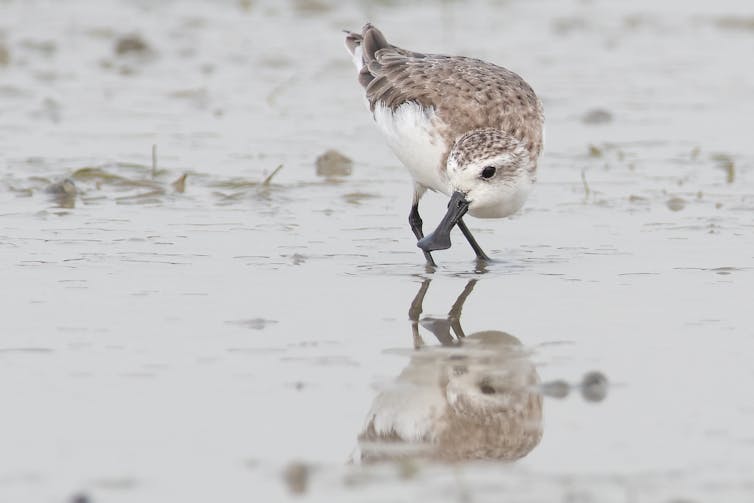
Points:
(490, 174)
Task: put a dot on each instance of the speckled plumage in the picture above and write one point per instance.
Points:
(485, 142)
(466, 93)
(448, 117)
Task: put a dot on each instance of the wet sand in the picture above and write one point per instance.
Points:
(226, 337)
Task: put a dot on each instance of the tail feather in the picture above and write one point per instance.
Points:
(373, 41)
(353, 40)
(363, 48)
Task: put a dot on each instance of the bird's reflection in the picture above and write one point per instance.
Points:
(472, 396)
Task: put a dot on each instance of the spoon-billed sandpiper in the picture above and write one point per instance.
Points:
(464, 127)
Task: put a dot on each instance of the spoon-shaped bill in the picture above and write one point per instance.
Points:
(440, 238)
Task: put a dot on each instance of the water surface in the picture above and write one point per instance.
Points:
(226, 337)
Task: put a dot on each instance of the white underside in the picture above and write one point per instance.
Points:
(409, 133)
(413, 406)
(356, 56)
(410, 412)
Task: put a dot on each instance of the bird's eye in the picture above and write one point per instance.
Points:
(459, 370)
(486, 388)
(488, 172)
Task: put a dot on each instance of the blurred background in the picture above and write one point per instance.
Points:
(207, 267)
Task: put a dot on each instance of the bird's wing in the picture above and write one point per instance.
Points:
(465, 92)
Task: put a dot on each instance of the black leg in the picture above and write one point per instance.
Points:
(440, 327)
(415, 311)
(454, 315)
(415, 221)
(467, 234)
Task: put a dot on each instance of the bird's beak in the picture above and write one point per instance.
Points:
(440, 239)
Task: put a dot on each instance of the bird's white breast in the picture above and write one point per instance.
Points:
(410, 411)
(412, 133)
(356, 56)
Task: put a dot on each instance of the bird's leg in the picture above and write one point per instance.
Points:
(416, 226)
(415, 311)
(440, 327)
(415, 221)
(454, 315)
(467, 234)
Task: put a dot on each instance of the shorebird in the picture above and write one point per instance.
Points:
(466, 128)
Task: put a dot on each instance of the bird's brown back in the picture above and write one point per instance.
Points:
(465, 93)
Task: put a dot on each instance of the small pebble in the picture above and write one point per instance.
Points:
(407, 468)
(595, 151)
(676, 203)
(333, 164)
(597, 116)
(296, 477)
(594, 386)
(131, 44)
(556, 389)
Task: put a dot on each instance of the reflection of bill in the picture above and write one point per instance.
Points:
(472, 397)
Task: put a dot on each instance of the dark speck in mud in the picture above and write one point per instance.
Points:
(4, 55)
(637, 199)
(80, 498)
(197, 96)
(43, 47)
(597, 116)
(333, 164)
(296, 477)
(26, 350)
(408, 468)
(636, 21)
(556, 389)
(309, 7)
(131, 44)
(49, 109)
(736, 23)
(298, 259)
(254, 323)
(568, 25)
(724, 270)
(357, 197)
(595, 151)
(676, 203)
(594, 386)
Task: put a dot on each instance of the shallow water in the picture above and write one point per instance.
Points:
(228, 338)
